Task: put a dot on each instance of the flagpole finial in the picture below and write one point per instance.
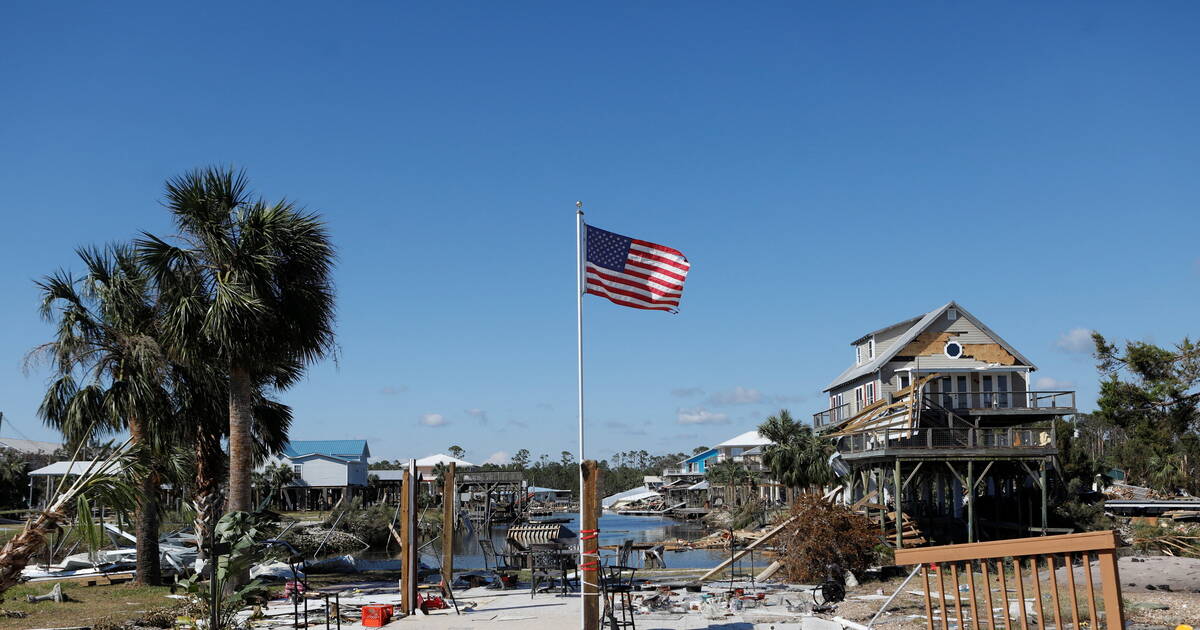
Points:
(579, 204)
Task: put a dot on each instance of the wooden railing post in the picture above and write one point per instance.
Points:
(1110, 586)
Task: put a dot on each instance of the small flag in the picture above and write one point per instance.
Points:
(634, 273)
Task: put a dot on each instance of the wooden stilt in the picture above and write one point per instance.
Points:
(589, 573)
(448, 526)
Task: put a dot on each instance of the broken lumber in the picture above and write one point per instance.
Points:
(741, 553)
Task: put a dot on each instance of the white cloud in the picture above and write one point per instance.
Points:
(737, 396)
(499, 457)
(433, 420)
(700, 415)
(1051, 383)
(687, 392)
(480, 414)
(1076, 341)
(391, 390)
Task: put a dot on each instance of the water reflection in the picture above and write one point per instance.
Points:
(614, 530)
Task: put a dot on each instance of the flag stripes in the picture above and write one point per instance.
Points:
(634, 273)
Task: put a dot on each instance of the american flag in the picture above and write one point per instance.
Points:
(633, 272)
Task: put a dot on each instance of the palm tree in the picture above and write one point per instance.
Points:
(110, 373)
(796, 456)
(730, 474)
(255, 278)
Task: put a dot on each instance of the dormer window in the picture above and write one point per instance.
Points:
(953, 349)
(864, 351)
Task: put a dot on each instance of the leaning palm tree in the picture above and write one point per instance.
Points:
(104, 478)
(110, 372)
(255, 279)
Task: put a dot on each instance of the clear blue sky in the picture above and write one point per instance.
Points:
(827, 168)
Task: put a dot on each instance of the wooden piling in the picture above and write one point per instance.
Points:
(589, 531)
(406, 576)
(448, 501)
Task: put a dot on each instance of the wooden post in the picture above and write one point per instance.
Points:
(448, 498)
(971, 500)
(1045, 505)
(589, 574)
(899, 508)
(406, 576)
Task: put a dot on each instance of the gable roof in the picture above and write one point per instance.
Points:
(344, 449)
(441, 458)
(749, 438)
(699, 457)
(915, 329)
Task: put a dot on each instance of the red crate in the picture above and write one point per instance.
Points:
(376, 615)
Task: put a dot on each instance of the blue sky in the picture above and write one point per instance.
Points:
(827, 168)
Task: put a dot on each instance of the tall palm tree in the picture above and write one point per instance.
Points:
(110, 373)
(255, 277)
(730, 474)
(796, 456)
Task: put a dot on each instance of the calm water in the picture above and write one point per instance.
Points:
(614, 530)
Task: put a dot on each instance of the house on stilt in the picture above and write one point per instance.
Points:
(940, 434)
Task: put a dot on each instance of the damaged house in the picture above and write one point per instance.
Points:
(940, 433)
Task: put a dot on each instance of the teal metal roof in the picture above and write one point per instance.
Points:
(334, 448)
(699, 457)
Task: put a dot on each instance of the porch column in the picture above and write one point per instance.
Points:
(1045, 506)
(970, 500)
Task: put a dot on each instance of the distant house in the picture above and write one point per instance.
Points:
(327, 463)
(548, 495)
(29, 447)
(747, 450)
(684, 482)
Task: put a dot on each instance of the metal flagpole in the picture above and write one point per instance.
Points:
(579, 266)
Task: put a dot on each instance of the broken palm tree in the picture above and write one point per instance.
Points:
(103, 477)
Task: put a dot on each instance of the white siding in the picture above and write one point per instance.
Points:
(319, 471)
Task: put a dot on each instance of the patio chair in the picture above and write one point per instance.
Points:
(616, 586)
(548, 563)
(502, 565)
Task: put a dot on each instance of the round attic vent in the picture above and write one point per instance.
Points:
(953, 349)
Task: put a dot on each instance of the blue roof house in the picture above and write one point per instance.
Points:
(327, 463)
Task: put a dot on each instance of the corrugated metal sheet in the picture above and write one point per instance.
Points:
(534, 533)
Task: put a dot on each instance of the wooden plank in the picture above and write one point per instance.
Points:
(1110, 586)
(1070, 566)
(406, 576)
(1064, 543)
(1054, 592)
(1037, 591)
(1016, 565)
(957, 599)
(737, 556)
(1003, 593)
(928, 603)
(1091, 591)
(974, 596)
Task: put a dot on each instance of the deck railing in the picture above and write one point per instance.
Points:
(966, 400)
(1003, 400)
(948, 438)
(1038, 559)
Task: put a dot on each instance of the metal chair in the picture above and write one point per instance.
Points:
(616, 585)
(499, 564)
(547, 563)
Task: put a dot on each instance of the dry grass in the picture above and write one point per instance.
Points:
(92, 603)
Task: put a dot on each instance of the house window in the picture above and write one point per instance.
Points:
(903, 381)
(297, 470)
(952, 314)
(858, 399)
(858, 354)
(871, 348)
(869, 390)
(953, 349)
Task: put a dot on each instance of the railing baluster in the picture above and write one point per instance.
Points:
(1091, 594)
(1054, 593)
(1110, 586)
(942, 596)
(1003, 593)
(971, 585)
(1037, 591)
(1069, 561)
(1016, 565)
(987, 592)
(957, 597)
(928, 596)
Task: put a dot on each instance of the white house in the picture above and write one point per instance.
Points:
(326, 463)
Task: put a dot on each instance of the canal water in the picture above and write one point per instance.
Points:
(615, 529)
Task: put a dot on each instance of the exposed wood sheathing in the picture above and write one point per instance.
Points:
(928, 344)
